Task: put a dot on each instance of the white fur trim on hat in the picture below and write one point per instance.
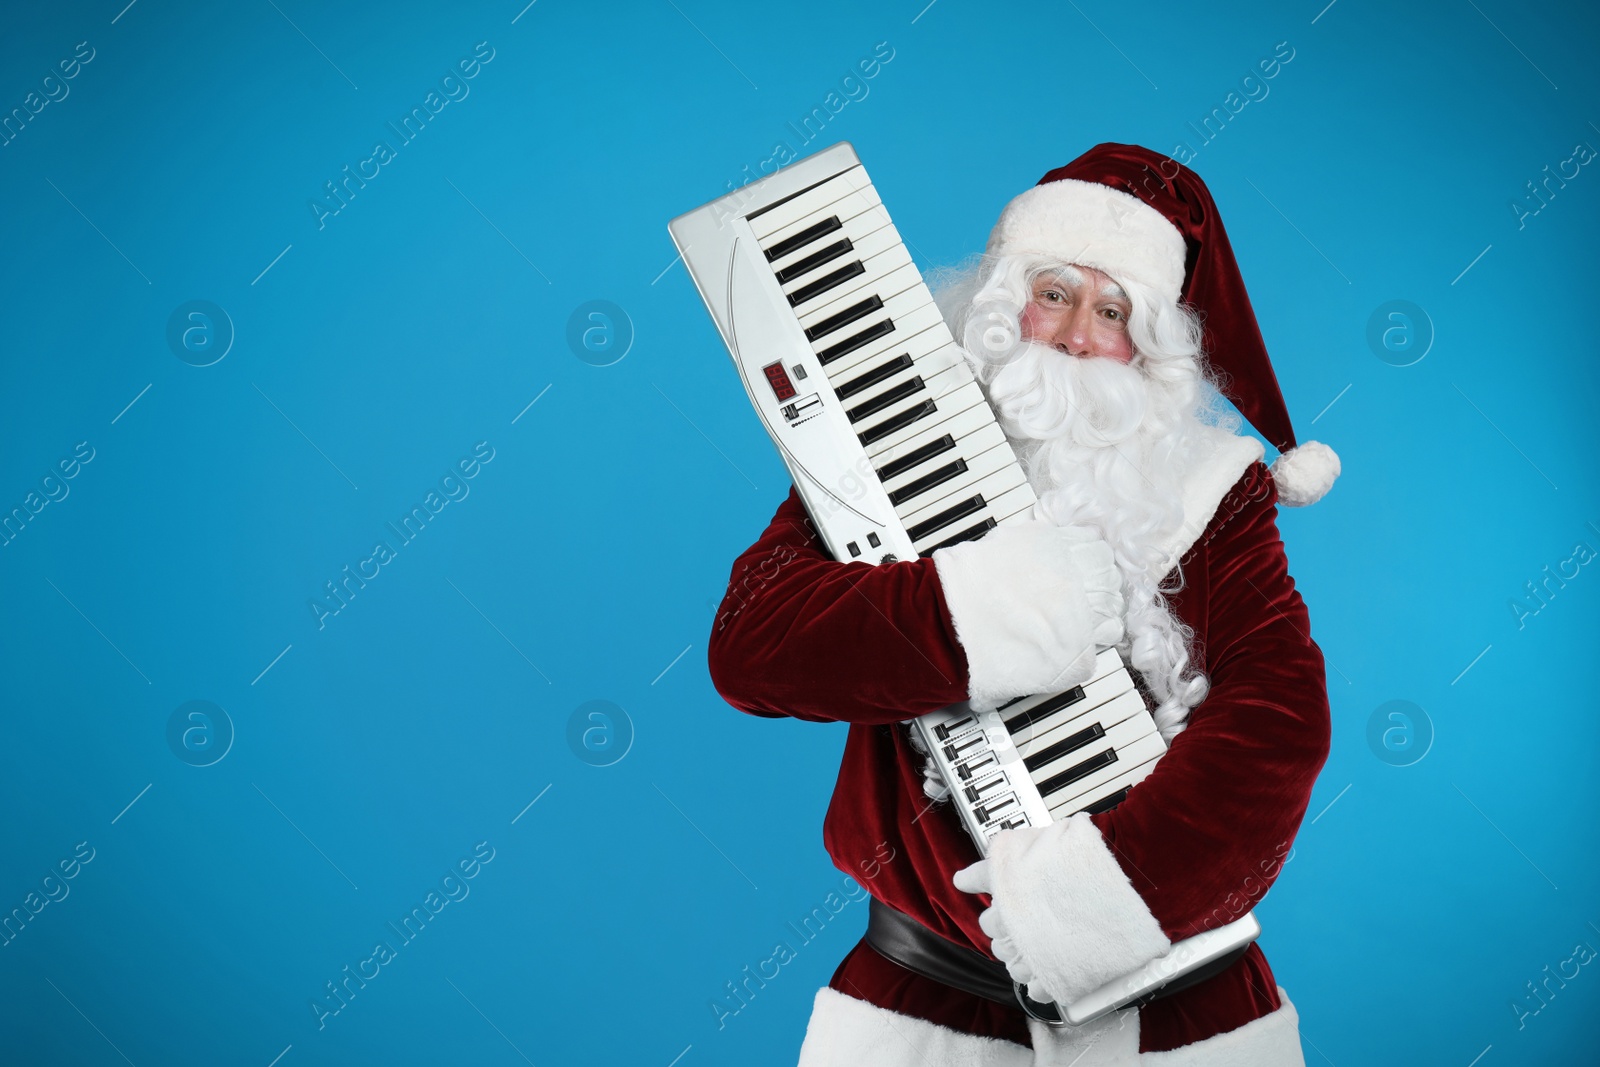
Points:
(1096, 226)
(1064, 918)
(1270, 1041)
(1305, 474)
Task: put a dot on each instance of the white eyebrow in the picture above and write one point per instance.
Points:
(1114, 291)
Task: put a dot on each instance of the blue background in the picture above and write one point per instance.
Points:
(372, 352)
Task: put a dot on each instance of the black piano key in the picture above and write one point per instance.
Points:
(803, 238)
(850, 344)
(887, 398)
(840, 320)
(1109, 802)
(1050, 753)
(971, 533)
(955, 513)
(813, 261)
(845, 390)
(833, 280)
(918, 455)
(916, 488)
(1057, 782)
(1013, 700)
(898, 423)
(1054, 704)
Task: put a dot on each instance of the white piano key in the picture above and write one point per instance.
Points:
(949, 406)
(940, 452)
(904, 278)
(871, 228)
(1107, 681)
(969, 431)
(875, 258)
(1133, 765)
(924, 352)
(858, 214)
(979, 468)
(934, 390)
(768, 224)
(1089, 798)
(1020, 497)
(1133, 744)
(1108, 712)
(930, 366)
(989, 487)
(909, 318)
(1106, 661)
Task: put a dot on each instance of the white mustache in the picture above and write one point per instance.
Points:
(1043, 394)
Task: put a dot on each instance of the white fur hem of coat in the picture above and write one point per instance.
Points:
(848, 1032)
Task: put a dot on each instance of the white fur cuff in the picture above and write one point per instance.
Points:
(1064, 919)
(1030, 602)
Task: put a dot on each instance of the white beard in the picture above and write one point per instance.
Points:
(1105, 447)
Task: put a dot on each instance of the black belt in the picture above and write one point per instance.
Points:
(905, 941)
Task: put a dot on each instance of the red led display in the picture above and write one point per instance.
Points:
(778, 378)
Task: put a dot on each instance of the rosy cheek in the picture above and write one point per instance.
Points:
(1030, 321)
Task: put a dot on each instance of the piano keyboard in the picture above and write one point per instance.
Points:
(895, 452)
(864, 383)
(1039, 759)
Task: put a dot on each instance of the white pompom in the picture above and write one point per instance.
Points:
(1305, 474)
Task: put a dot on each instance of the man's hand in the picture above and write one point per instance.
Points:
(1031, 604)
(1062, 917)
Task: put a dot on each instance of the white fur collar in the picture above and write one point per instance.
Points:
(1219, 459)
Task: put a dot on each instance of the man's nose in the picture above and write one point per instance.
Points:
(1072, 331)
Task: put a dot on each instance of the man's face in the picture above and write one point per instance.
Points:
(1081, 312)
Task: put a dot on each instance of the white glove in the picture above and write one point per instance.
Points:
(1063, 917)
(1031, 603)
(933, 783)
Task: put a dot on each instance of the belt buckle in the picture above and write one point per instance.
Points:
(1028, 1006)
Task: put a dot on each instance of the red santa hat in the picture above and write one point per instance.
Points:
(1141, 216)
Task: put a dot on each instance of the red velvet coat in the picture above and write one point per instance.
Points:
(1201, 839)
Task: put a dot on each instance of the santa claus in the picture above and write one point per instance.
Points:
(1104, 320)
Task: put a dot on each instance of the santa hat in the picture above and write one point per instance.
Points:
(1138, 215)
